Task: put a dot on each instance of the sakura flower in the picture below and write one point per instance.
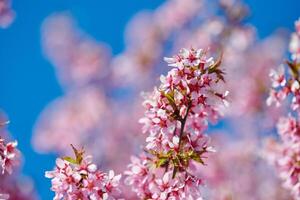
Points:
(9, 155)
(286, 157)
(138, 176)
(79, 179)
(12, 185)
(176, 118)
(276, 97)
(288, 127)
(290, 165)
(277, 77)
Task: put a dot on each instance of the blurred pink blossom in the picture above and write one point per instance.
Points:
(17, 187)
(72, 119)
(78, 58)
(13, 186)
(7, 15)
(238, 171)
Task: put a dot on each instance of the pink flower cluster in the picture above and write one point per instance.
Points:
(6, 13)
(9, 158)
(286, 155)
(150, 182)
(9, 155)
(177, 114)
(82, 63)
(80, 179)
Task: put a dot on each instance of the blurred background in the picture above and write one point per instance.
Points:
(34, 70)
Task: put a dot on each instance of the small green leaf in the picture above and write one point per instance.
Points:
(78, 154)
(161, 162)
(170, 99)
(294, 68)
(196, 157)
(70, 160)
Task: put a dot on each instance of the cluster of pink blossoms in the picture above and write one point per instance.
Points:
(286, 154)
(79, 178)
(177, 114)
(9, 155)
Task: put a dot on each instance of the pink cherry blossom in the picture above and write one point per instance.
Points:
(12, 185)
(286, 154)
(80, 179)
(9, 155)
(104, 122)
(289, 166)
(176, 118)
(288, 127)
(277, 77)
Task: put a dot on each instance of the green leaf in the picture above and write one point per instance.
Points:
(78, 154)
(170, 99)
(197, 158)
(294, 68)
(161, 162)
(70, 160)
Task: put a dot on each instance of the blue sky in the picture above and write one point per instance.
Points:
(27, 81)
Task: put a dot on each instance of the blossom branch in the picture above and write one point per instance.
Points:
(286, 152)
(177, 114)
